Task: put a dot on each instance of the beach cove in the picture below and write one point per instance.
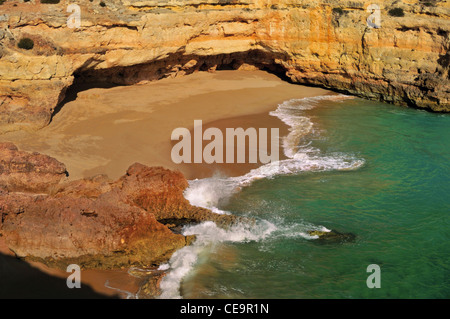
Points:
(105, 130)
(347, 165)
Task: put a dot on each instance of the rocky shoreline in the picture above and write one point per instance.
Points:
(134, 222)
(96, 223)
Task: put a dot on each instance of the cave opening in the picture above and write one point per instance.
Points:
(174, 65)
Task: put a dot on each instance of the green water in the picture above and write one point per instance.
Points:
(397, 204)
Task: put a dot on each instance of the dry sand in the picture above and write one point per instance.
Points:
(104, 131)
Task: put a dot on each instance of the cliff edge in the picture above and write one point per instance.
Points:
(403, 60)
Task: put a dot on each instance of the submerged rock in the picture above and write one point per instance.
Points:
(332, 236)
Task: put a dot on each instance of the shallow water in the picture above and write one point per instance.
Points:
(375, 170)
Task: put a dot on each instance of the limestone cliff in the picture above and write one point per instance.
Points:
(317, 42)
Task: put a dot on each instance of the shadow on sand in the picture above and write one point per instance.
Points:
(20, 280)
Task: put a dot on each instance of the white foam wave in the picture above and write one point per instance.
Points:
(211, 192)
(292, 114)
(207, 234)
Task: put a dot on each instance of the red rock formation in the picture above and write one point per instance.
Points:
(22, 171)
(160, 191)
(100, 233)
(95, 222)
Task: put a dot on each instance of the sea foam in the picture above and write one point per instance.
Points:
(207, 233)
(212, 192)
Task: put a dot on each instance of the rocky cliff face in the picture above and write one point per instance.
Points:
(317, 42)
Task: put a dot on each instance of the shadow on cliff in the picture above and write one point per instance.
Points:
(71, 93)
(175, 64)
(20, 280)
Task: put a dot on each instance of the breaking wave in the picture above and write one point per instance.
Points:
(211, 192)
(209, 234)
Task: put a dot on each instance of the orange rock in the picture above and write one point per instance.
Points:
(22, 171)
(325, 43)
(95, 222)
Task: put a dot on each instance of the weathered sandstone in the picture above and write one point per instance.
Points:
(316, 42)
(96, 222)
(22, 171)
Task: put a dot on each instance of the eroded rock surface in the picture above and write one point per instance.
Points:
(22, 171)
(325, 43)
(95, 222)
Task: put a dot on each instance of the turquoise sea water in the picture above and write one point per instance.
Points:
(375, 170)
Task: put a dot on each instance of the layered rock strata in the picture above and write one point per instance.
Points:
(314, 42)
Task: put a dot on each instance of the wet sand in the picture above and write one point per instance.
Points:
(104, 131)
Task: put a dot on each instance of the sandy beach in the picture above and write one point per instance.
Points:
(104, 131)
